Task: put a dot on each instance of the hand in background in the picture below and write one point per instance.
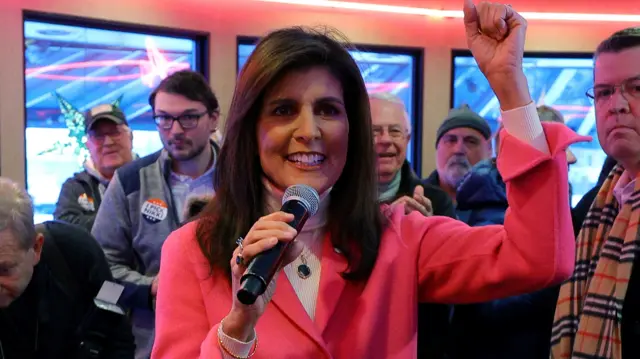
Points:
(154, 287)
(418, 203)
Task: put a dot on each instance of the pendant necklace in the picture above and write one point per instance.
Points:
(304, 271)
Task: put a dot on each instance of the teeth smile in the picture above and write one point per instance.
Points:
(309, 159)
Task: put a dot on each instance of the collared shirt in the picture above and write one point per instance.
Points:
(624, 188)
(184, 187)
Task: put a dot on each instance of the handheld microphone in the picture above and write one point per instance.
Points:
(300, 200)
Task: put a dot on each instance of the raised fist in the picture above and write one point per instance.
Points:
(495, 35)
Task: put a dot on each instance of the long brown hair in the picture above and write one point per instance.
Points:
(354, 220)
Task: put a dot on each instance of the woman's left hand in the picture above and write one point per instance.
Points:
(495, 35)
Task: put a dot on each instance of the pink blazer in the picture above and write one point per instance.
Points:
(433, 259)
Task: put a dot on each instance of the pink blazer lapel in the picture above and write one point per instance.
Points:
(287, 302)
(331, 290)
(331, 283)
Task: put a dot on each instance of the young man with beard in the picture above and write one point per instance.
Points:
(145, 199)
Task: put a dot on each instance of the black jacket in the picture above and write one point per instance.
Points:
(44, 322)
(79, 200)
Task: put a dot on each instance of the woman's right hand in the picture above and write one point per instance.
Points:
(263, 235)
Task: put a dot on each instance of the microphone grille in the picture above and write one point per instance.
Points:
(305, 194)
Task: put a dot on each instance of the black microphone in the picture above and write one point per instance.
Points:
(300, 200)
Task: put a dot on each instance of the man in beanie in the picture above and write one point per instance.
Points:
(109, 141)
(514, 327)
(463, 139)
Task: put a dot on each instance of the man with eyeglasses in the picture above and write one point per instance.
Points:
(398, 185)
(598, 309)
(144, 202)
(109, 141)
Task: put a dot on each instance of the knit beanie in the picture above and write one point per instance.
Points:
(463, 117)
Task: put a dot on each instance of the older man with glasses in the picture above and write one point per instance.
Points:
(145, 199)
(398, 185)
(109, 141)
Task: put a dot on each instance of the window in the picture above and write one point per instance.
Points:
(384, 69)
(72, 65)
(555, 80)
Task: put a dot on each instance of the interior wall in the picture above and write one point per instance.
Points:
(226, 19)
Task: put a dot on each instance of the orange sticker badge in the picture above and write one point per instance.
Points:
(154, 210)
(86, 203)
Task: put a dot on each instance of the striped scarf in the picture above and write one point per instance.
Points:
(588, 315)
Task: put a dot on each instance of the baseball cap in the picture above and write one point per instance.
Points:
(104, 112)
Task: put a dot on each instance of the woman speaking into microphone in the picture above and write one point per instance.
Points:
(352, 279)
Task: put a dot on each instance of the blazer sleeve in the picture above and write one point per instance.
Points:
(178, 283)
(533, 249)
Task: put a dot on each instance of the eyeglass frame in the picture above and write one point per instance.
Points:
(378, 131)
(180, 118)
(100, 138)
(622, 86)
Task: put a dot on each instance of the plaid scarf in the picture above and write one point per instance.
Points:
(588, 315)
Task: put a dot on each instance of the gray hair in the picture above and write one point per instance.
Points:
(393, 99)
(16, 212)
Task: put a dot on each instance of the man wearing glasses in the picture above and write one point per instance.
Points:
(145, 199)
(398, 185)
(109, 141)
(598, 310)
